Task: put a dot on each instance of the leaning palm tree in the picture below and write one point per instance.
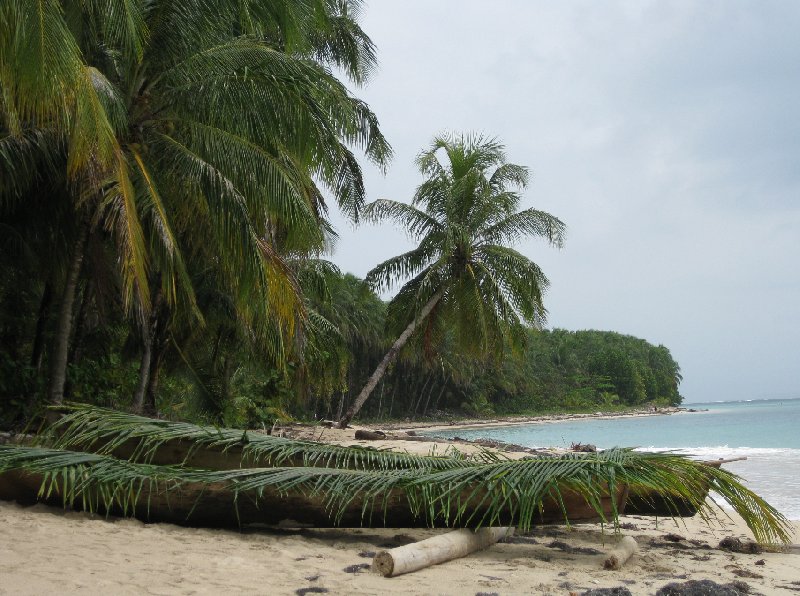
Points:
(465, 279)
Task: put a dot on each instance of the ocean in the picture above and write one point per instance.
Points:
(767, 432)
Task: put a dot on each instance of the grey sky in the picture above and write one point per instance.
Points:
(665, 134)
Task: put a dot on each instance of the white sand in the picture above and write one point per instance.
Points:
(47, 551)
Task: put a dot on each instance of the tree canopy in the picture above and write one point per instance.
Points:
(172, 146)
(165, 173)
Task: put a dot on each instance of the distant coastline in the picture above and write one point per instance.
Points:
(431, 426)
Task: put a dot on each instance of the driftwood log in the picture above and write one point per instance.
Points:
(619, 555)
(439, 549)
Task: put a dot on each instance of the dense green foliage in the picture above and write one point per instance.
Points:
(164, 166)
(163, 172)
(554, 370)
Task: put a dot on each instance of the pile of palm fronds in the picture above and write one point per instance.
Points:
(448, 490)
(100, 430)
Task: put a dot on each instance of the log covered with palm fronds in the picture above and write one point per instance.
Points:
(349, 486)
(162, 442)
(524, 492)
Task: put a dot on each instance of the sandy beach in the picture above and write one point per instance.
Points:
(46, 550)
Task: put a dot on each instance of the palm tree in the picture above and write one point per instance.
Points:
(186, 123)
(465, 279)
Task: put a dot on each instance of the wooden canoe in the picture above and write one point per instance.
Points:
(214, 505)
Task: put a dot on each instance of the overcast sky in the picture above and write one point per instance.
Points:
(666, 135)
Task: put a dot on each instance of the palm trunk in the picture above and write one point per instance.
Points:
(390, 357)
(76, 352)
(428, 400)
(159, 349)
(41, 323)
(58, 360)
(148, 337)
(227, 371)
(439, 397)
(156, 357)
(80, 324)
(144, 369)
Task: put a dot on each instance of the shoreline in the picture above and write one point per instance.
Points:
(472, 423)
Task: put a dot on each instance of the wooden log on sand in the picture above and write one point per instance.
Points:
(439, 549)
(619, 555)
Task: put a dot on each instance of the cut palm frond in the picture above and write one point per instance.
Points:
(677, 479)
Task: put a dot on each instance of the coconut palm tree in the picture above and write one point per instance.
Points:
(192, 122)
(465, 279)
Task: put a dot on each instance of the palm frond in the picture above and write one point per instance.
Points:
(104, 431)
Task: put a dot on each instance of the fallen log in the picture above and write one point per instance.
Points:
(618, 556)
(439, 549)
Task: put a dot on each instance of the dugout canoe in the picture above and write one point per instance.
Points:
(217, 505)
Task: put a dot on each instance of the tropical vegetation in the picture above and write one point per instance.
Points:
(164, 168)
(162, 205)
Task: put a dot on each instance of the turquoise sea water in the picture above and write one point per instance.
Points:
(767, 432)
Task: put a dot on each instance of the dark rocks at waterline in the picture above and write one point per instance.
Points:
(583, 447)
(704, 587)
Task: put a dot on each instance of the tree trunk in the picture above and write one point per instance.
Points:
(227, 371)
(428, 400)
(144, 370)
(421, 394)
(439, 397)
(391, 355)
(76, 352)
(58, 359)
(341, 405)
(148, 337)
(80, 324)
(41, 324)
(391, 401)
(159, 350)
(156, 358)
